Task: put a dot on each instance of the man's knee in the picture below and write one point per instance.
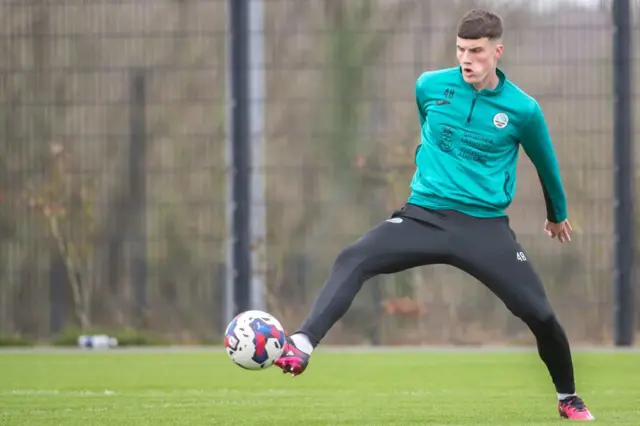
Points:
(541, 320)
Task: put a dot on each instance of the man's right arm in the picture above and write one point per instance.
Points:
(421, 101)
(421, 98)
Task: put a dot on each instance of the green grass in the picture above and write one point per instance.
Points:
(204, 388)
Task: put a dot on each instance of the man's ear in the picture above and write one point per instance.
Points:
(499, 49)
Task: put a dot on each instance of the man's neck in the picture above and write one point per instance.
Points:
(490, 82)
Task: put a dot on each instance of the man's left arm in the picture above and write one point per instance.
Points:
(537, 144)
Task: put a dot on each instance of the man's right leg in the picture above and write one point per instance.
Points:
(394, 245)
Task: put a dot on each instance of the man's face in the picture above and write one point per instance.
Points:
(478, 58)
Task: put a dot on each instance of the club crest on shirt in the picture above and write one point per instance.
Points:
(500, 120)
(446, 139)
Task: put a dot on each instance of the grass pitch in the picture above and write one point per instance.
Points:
(204, 388)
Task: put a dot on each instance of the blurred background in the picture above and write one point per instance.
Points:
(118, 154)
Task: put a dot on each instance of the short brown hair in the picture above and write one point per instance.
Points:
(478, 23)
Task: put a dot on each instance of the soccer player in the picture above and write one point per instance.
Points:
(473, 120)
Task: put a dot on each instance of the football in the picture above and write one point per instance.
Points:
(254, 340)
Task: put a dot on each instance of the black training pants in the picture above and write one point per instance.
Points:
(485, 248)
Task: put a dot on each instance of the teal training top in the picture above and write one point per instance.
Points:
(469, 146)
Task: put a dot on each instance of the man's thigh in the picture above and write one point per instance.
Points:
(401, 242)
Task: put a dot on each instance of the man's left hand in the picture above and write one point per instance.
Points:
(561, 230)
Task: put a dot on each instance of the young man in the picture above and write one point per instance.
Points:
(473, 121)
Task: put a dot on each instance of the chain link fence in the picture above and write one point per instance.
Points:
(112, 173)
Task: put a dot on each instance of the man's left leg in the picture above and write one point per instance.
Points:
(487, 249)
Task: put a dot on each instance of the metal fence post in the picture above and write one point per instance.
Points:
(624, 243)
(138, 192)
(238, 277)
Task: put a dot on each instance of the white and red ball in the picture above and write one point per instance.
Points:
(254, 340)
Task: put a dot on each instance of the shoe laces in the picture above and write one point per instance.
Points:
(575, 402)
(295, 352)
